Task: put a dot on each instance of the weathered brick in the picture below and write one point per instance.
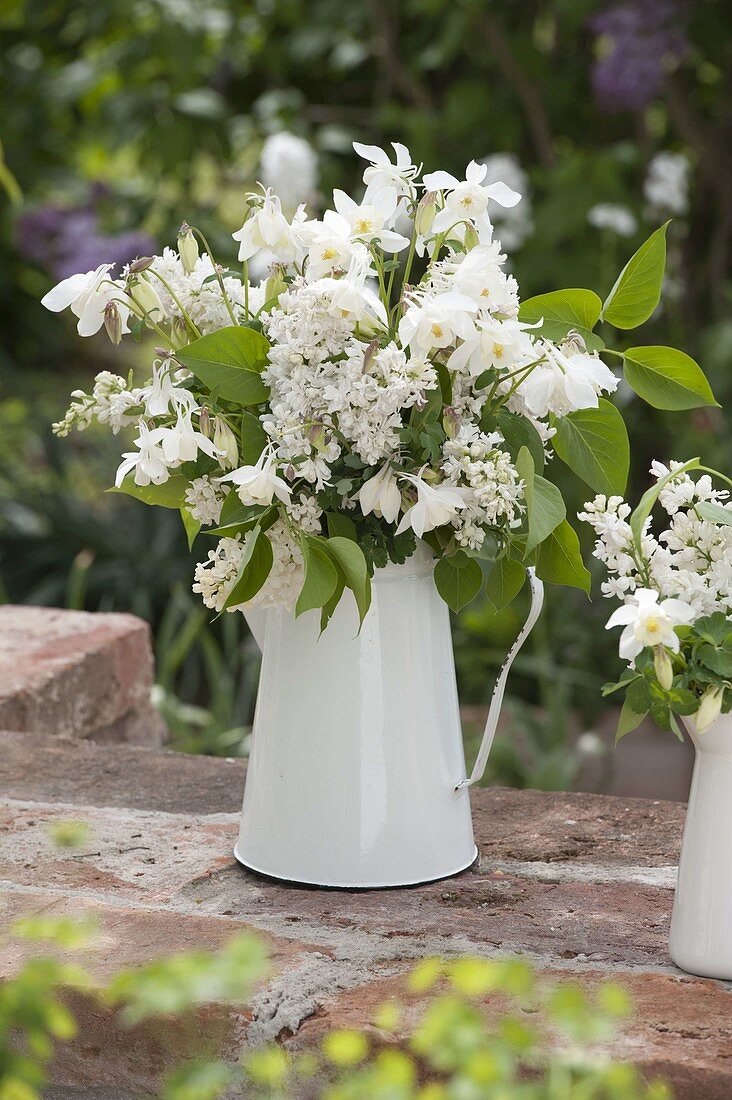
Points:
(71, 673)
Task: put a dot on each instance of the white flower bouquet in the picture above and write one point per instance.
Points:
(381, 384)
(677, 597)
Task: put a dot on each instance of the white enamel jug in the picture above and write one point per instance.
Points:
(357, 775)
(701, 925)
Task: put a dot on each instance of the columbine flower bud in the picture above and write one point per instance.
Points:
(369, 353)
(450, 422)
(316, 436)
(187, 248)
(709, 709)
(113, 322)
(470, 238)
(425, 213)
(225, 440)
(145, 297)
(275, 285)
(664, 668)
(179, 334)
(204, 422)
(142, 263)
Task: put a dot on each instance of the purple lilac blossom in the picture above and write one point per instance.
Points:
(67, 241)
(642, 37)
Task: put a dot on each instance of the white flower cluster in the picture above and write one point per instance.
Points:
(375, 384)
(110, 402)
(198, 293)
(205, 498)
(215, 577)
(476, 461)
(690, 561)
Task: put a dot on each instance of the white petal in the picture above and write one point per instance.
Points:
(65, 292)
(438, 181)
(372, 153)
(503, 194)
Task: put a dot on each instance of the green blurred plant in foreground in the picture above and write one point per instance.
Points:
(464, 1029)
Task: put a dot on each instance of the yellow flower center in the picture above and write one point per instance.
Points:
(466, 201)
(364, 225)
(329, 253)
(653, 626)
(498, 351)
(437, 330)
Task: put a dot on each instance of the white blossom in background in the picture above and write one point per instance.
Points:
(613, 216)
(513, 225)
(666, 187)
(289, 166)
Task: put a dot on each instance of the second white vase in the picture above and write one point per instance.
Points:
(701, 925)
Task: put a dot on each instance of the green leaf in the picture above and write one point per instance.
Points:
(253, 439)
(559, 560)
(667, 378)
(321, 576)
(505, 581)
(594, 444)
(718, 660)
(715, 513)
(171, 494)
(340, 525)
(458, 584)
(230, 361)
(545, 510)
(519, 432)
(254, 569)
(649, 498)
(637, 290)
(565, 311)
(350, 559)
(191, 525)
(628, 720)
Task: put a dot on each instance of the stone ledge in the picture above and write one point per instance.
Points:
(72, 673)
(581, 884)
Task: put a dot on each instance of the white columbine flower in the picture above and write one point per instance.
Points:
(182, 442)
(148, 462)
(570, 378)
(162, 393)
(435, 506)
(381, 495)
(266, 228)
(468, 199)
(370, 221)
(382, 175)
(259, 483)
(87, 296)
(436, 322)
(350, 295)
(648, 622)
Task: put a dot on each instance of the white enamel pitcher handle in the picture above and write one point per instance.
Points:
(537, 602)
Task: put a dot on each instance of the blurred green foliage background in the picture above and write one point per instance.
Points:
(119, 120)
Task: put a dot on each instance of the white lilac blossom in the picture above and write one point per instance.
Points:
(215, 577)
(110, 402)
(613, 216)
(204, 499)
(479, 463)
(199, 293)
(666, 187)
